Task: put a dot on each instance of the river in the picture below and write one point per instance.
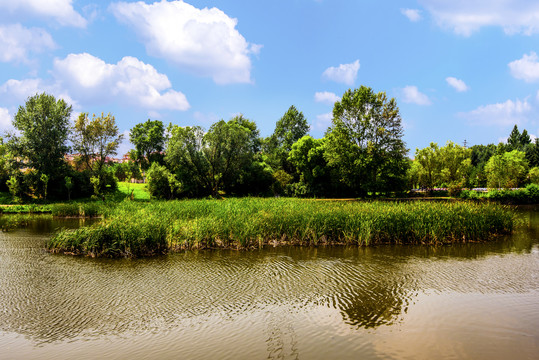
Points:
(465, 301)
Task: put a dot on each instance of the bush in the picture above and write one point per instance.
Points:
(162, 184)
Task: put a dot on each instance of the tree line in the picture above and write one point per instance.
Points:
(361, 153)
(507, 165)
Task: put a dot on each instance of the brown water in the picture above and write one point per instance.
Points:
(471, 301)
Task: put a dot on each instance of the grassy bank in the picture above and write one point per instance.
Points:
(138, 229)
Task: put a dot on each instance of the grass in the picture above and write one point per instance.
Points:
(134, 229)
(140, 191)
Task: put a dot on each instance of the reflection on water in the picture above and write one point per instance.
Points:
(292, 302)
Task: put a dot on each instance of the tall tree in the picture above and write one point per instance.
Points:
(507, 170)
(216, 160)
(291, 127)
(456, 164)
(43, 123)
(149, 139)
(307, 155)
(365, 142)
(96, 139)
(429, 166)
(184, 155)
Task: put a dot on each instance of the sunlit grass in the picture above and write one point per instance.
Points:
(138, 229)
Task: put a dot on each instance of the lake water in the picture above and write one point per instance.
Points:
(466, 301)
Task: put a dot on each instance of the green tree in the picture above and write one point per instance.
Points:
(429, 168)
(95, 140)
(43, 123)
(533, 175)
(185, 157)
(162, 184)
(150, 140)
(307, 156)
(456, 164)
(517, 140)
(212, 162)
(291, 127)
(507, 170)
(364, 143)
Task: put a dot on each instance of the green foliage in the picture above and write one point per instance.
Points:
(210, 163)
(307, 156)
(139, 229)
(162, 184)
(15, 190)
(533, 175)
(43, 123)
(282, 182)
(69, 186)
(288, 130)
(507, 170)
(364, 143)
(149, 139)
(45, 181)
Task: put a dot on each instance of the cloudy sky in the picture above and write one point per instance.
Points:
(460, 70)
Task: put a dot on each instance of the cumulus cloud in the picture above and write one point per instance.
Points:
(17, 91)
(410, 94)
(203, 41)
(465, 17)
(60, 11)
(17, 42)
(344, 73)
(504, 114)
(129, 81)
(5, 119)
(457, 84)
(413, 15)
(86, 79)
(526, 69)
(326, 97)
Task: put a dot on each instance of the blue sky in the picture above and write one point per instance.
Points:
(459, 69)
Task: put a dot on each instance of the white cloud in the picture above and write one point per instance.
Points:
(60, 10)
(413, 15)
(506, 113)
(344, 73)
(465, 17)
(129, 81)
(5, 119)
(203, 41)
(410, 94)
(526, 69)
(17, 91)
(17, 41)
(323, 121)
(457, 84)
(326, 97)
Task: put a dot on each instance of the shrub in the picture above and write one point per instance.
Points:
(162, 184)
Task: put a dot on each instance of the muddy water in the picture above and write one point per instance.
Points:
(476, 301)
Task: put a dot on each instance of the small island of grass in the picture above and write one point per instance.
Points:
(142, 229)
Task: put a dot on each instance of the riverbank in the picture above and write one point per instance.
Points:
(143, 229)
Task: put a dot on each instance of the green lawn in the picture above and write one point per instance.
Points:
(140, 191)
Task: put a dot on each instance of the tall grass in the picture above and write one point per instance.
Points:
(138, 229)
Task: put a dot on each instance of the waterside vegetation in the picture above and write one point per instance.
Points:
(142, 229)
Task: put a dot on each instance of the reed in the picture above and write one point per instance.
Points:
(138, 229)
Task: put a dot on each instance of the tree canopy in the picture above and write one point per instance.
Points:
(149, 139)
(364, 143)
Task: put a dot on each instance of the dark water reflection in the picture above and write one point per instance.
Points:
(339, 302)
